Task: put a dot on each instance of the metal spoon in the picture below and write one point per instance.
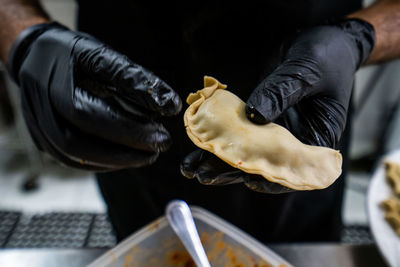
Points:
(181, 220)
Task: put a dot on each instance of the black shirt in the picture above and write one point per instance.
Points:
(239, 44)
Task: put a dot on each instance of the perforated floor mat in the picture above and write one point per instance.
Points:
(357, 234)
(8, 222)
(89, 230)
(56, 230)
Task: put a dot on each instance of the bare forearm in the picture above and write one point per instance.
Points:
(15, 16)
(385, 17)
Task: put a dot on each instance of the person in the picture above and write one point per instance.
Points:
(108, 98)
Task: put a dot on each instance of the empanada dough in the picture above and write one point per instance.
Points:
(216, 121)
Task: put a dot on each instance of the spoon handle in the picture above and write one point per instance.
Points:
(181, 220)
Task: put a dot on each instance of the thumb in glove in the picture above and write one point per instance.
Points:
(316, 80)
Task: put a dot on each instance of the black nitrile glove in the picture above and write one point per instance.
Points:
(309, 93)
(210, 170)
(87, 105)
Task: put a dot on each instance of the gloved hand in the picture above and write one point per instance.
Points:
(210, 170)
(87, 105)
(309, 93)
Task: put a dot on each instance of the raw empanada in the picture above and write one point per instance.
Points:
(216, 121)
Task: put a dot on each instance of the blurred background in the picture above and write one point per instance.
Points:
(43, 204)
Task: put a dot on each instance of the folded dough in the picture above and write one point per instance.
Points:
(216, 121)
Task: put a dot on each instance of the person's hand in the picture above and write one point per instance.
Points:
(87, 105)
(210, 170)
(309, 93)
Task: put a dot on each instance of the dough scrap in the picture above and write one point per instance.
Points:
(216, 121)
(392, 212)
(393, 176)
(392, 205)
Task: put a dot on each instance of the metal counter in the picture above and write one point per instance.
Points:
(302, 255)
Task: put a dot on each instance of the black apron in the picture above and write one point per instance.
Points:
(239, 44)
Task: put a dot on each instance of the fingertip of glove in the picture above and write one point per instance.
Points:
(190, 164)
(168, 101)
(151, 159)
(185, 171)
(173, 107)
(255, 116)
(259, 184)
(162, 141)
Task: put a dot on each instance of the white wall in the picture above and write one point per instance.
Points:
(64, 11)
